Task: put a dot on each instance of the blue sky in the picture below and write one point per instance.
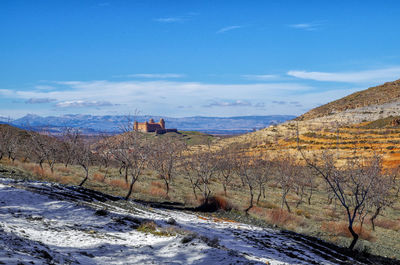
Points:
(189, 58)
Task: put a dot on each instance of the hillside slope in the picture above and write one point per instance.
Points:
(378, 95)
(55, 224)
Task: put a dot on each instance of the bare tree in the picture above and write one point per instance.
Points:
(384, 194)
(164, 155)
(70, 138)
(287, 171)
(353, 184)
(45, 147)
(184, 167)
(203, 165)
(245, 169)
(263, 171)
(83, 156)
(131, 149)
(226, 166)
(304, 184)
(104, 153)
(11, 142)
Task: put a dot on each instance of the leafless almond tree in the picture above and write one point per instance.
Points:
(203, 165)
(245, 168)
(70, 137)
(353, 184)
(45, 147)
(287, 171)
(226, 166)
(164, 155)
(131, 149)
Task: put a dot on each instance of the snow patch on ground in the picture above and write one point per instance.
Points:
(56, 224)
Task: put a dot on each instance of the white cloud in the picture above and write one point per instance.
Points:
(169, 19)
(7, 92)
(45, 87)
(82, 104)
(259, 77)
(39, 100)
(163, 97)
(305, 26)
(225, 29)
(154, 76)
(234, 103)
(369, 76)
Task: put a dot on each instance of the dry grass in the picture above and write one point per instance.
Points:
(118, 183)
(98, 177)
(388, 224)
(157, 184)
(341, 229)
(157, 192)
(64, 169)
(283, 218)
(190, 200)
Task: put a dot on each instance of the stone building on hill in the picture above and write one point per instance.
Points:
(151, 126)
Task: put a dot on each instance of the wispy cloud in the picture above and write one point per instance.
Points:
(83, 104)
(259, 77)
(282, 102)
(235, 103)
(39, 100)
(368, 76)
(176, 19)
(306, 26)
(169, 19)
(45, 87)
(229, 28)
(153, 76)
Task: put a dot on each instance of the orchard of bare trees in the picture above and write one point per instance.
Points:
(363, 188)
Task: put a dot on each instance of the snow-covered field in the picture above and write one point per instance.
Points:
(44, 223)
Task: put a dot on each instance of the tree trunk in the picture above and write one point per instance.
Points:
(374, 217)
(130, 188)
(355, 237)
(126, 174)
(86, 176)
(166, 185)
(309, 197)
(251, 200)
(287, 206)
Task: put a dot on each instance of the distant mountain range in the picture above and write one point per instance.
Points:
(90, 124)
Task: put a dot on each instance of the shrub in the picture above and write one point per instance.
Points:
(152, 228)
(215, 203)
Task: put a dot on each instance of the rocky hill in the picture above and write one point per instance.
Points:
(367, 121)
(378, 95)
